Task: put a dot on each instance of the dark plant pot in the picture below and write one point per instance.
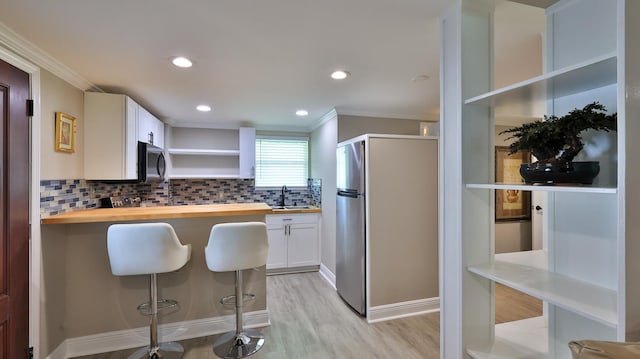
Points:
(554, 173)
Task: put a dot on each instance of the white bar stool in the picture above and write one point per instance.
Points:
(236, 247)
(148, 248)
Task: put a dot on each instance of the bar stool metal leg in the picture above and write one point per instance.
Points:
(168, 350)
(239, 343)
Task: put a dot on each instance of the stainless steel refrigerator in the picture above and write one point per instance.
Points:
(350, 225)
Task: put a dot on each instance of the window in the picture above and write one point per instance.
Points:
(282, 161)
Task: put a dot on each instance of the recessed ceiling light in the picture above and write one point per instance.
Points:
(203, 108)
(182, 62)
(302, 113)
(339, 75)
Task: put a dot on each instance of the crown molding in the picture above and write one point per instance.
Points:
(346, 112)
(324, 118)
(24, 48)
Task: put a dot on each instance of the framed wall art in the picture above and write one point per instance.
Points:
(511, 204)
(65, 133)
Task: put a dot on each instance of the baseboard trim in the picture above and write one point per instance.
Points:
(138, 337)
(328, 275)
(292, 270)
(403, 309)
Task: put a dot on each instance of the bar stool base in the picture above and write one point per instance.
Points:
(169, 350)
(232, 346)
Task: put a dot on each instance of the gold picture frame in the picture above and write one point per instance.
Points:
(65, 133)
(511, 204)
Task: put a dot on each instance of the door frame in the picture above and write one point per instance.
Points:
(35, 248)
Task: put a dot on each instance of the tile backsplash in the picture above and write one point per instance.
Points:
(59, 196)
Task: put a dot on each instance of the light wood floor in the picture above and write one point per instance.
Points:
(309, 320)
(514, 305)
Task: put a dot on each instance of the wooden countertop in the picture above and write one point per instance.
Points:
(310, 209)
(161, 212)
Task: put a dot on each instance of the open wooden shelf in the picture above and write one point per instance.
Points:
(595, 73)
(196, 175)
(588, 300)
(535, 258)
(544, 188)
(202, 152)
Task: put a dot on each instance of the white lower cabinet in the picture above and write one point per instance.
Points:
(277, 246)
(293, 241)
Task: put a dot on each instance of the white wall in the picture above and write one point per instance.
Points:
(518, 36)
(60, 96)
(324, 140)
(353, 126)
(323, 166)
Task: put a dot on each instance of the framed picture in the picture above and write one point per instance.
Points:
(65, 133)
(511, 204)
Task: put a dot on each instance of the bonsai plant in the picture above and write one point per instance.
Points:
(555, 141)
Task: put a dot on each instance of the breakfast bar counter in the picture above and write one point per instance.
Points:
(95, 215)
(84, 306)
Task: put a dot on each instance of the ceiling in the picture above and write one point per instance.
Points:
(255, 62)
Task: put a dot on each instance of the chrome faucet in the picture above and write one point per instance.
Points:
(284, 189)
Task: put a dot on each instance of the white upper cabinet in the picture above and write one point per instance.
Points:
(150, 128)
(110, 137)
(247, 152)
(113, 125)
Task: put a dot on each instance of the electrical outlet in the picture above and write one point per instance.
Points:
(220, 195)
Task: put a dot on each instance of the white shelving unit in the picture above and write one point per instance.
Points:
(593, 73)
(194, 152)
(544, 188)
(211, 153)
(583, 276)
(588, 300)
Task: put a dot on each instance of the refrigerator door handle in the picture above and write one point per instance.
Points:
(349, 193)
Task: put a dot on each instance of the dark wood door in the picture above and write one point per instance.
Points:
(14, 213)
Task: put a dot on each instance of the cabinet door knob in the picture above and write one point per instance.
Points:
(538, 208)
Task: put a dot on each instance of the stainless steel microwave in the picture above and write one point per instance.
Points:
(151, 163)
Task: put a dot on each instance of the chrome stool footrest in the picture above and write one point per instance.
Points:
(230, 300)
(145, 308)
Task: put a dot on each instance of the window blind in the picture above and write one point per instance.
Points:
(282, 161)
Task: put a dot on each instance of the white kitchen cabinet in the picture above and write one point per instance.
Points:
(294, 243)
(302, 244)
(150, 128)
(247, 152)
(589, 290)
(110, 137)
(277, 244)
(113, 125)
(211, 153)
